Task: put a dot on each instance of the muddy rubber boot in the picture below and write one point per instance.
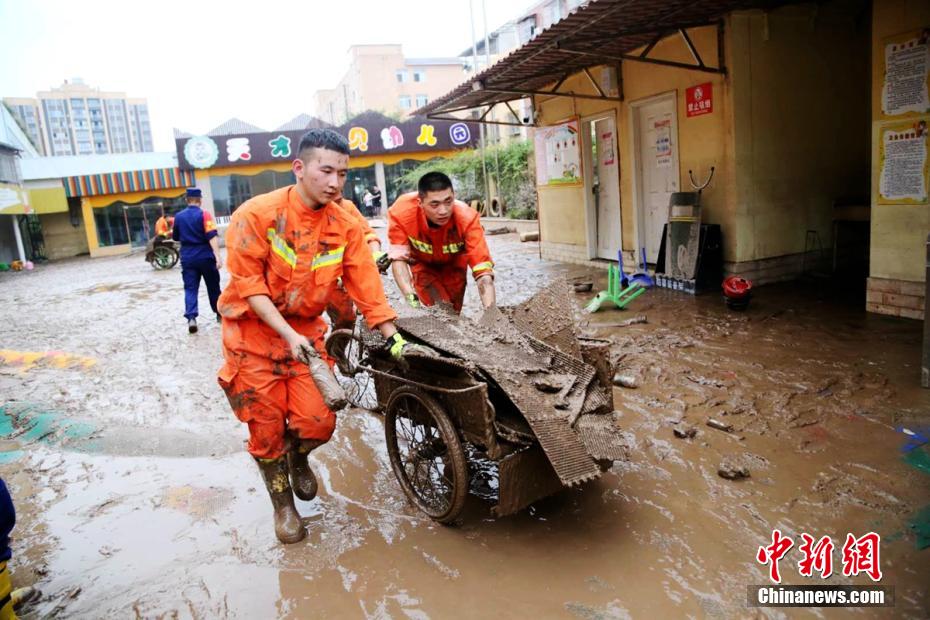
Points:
(287, 525)
(303, 480)
(191, 326)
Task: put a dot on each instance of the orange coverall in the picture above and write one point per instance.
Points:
(277, 246)
(163, 226)
(439, 257)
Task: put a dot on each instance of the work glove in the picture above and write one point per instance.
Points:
(400, 347)
(412, 300)
(381, 260)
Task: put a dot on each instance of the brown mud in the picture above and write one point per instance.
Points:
(136, 497)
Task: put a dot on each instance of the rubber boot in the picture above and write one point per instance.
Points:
(303, 480)
(287, 525)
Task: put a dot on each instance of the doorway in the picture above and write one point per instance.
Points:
(602, 185)
(655, 135)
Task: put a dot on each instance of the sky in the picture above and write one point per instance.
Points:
(200, 62)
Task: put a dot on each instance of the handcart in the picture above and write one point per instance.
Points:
(162, 253)
(517, 392)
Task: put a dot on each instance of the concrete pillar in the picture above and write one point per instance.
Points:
(19, 239)
(382, 185)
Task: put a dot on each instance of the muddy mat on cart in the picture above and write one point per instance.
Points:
(549, 387)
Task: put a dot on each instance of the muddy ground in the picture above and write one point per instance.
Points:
(137, 499)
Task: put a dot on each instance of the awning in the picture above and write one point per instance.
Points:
(126, 182)
(603, 32)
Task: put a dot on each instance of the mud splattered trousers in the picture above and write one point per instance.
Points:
(269, 391)
(191, 272)
(440, 283)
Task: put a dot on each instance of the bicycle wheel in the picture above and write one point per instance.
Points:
(164, 257)
(348, 351)
(426, 454)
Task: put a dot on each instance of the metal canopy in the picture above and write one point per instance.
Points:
(603, 32)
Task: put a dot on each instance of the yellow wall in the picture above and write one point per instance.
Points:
(800, 138)
(563, 217)
(48, 199)
(702, 140)
(899, 232)
(787, 135)
(62, 240)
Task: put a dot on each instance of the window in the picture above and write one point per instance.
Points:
(422, 100)
(230, 191)
(401, 75)
(419, 75)
(405, 102)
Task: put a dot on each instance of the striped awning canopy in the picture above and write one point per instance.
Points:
(126, 182)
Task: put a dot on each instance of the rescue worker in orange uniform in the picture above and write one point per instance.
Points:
(286, 250)
(163, 226)
(432, 241)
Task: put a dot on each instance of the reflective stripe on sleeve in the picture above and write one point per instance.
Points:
(485, 266)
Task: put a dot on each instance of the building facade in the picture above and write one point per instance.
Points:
(75, 119)
(380, 78)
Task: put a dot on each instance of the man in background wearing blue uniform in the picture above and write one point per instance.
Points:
(200, 255)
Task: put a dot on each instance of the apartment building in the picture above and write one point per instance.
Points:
(76, 119)
(381, 79)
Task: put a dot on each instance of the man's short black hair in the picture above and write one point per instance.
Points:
(433, 182)
(322, 139)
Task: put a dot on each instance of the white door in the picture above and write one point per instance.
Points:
(658, 170)
(608, 187)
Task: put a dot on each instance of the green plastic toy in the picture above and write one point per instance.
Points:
(614, 293)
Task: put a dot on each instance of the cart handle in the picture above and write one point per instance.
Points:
(431, 388)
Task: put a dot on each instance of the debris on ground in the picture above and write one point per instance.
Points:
(501, 230)
(688, 432)
(627, 381)
(636, 320)
(732, 471)
(720, 426)
(583, 287)
(530, 235)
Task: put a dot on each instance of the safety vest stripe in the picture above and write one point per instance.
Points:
(453, 248)
(422, 246)
(485, 266)
(330, 257)
(280, 247)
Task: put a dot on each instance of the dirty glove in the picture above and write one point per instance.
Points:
(400, 347)
(396, 344)
(412, 300)
(381, 260)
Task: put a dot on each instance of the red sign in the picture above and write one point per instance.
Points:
(700, 100)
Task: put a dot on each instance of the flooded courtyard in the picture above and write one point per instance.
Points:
(136, 497)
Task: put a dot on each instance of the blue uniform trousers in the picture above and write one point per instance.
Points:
(192, 272)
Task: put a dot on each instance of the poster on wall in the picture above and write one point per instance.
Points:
(606, 148)
(558, 154)
(905, 172)
(663, 133)
(699, 100)
(906, 85)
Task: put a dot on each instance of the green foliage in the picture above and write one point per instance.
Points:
(508, 165)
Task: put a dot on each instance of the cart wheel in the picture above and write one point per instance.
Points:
(164, 257)
(346, 348)
(426, 454)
